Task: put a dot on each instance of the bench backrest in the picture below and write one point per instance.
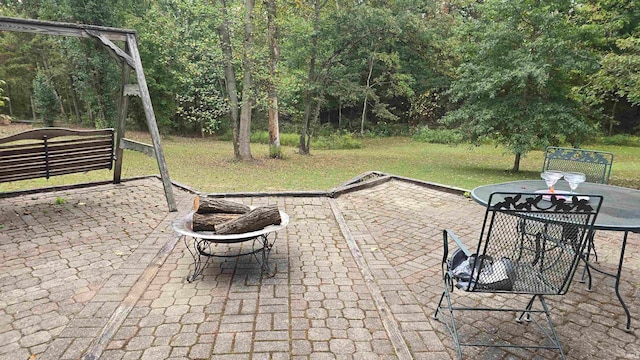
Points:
(46, 152)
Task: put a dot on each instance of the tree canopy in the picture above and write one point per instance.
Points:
(522, 74)
(520, 61)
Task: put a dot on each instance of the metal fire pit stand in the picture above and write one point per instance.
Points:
(200, 243)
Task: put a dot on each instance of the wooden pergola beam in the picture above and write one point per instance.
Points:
(64, 29)
(113, 49)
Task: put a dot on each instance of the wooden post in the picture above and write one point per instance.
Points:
(131, 60)
(132, 46)
(122, 119)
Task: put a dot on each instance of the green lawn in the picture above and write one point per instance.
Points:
(207, 165)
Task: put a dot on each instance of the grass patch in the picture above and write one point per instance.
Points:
(208, 165)
(438, 136)
(332, 141)
(620, 140)
(262, 137)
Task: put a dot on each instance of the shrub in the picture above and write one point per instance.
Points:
(44, 98)
(262, 137)
(438, 136)
(275, 152)
(621, 140)
(336, 141)
(332, 141)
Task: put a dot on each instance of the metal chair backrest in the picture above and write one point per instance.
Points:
(541, 260)
(596, 165)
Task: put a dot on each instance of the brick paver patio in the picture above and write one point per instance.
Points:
(98, 273)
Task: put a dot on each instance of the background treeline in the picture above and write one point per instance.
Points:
(523, 73)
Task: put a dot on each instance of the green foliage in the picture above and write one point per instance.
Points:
(387, 128)
(2, 98)
(438, 136)
(275, 152)
(615, 35)
(182, 60)
(526, 73)
(83, 69)
(60, 201)
(262, 137)
(330, 141)
(45, 99)
(337, 141)
(621, 140)
(519, 65)
(201, 102)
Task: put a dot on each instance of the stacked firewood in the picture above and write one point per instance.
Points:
(228, 217)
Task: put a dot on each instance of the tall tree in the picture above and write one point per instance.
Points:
(95, 75)
(310, 96)
(520, 61)
(244, 134)
(272, 92)
(230, 77)
(45, 99)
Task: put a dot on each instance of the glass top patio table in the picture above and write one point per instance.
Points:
(620, 211)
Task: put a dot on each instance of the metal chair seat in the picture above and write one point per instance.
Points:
(510, 262)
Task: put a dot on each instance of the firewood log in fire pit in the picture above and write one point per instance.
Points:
(205, 205)
(208, 222)
(228, 217)
(255, 219)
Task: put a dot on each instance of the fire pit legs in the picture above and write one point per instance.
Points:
(202, 243)
(200, 248)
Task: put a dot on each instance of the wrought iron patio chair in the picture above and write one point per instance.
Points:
(512, 262)
(595, 164)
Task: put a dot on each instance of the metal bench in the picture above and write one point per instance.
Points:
(47, 152)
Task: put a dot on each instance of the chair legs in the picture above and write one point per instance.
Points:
(451, 327)
(586, 273)
(549, 334)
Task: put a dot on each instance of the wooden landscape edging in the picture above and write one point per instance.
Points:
(353, 185)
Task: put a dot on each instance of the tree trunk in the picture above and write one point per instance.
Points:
(304, 147)
(230, 77)
(33, 108)
(256, 219)
(247, 84)
(516, 163)
(74, 97)
(90, 112)
(59, 98)
(613, 117)
(366, 95)
(205, 205)
(274, 53)
(316, 116)
(9, 100)
(340, 114)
